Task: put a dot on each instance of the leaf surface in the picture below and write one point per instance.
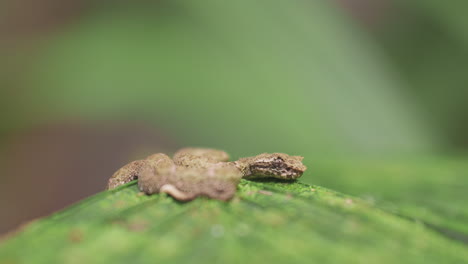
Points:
(267, 222)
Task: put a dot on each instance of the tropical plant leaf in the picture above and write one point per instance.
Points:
(267, 222)
(431, 189)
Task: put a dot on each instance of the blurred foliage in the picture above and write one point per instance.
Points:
(244, 76)
(427, 42)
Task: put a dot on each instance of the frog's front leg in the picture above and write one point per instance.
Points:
(176, 193)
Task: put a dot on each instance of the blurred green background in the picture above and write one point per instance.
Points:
(368, 91)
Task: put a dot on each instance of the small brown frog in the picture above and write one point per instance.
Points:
(204, 172)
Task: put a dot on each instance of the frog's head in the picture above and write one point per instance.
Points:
(277, 165)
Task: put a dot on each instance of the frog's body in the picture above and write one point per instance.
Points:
(200, 171)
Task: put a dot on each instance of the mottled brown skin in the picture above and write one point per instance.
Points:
(275, 165)
(199, 157)
(187, 183)
(158, 170)
(197, 172)
(126, 174)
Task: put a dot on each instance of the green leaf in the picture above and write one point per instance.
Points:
(431, 189)
(267, 222)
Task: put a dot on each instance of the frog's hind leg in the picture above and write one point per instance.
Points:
(133, 170)
(126, 174)
(158, 171)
